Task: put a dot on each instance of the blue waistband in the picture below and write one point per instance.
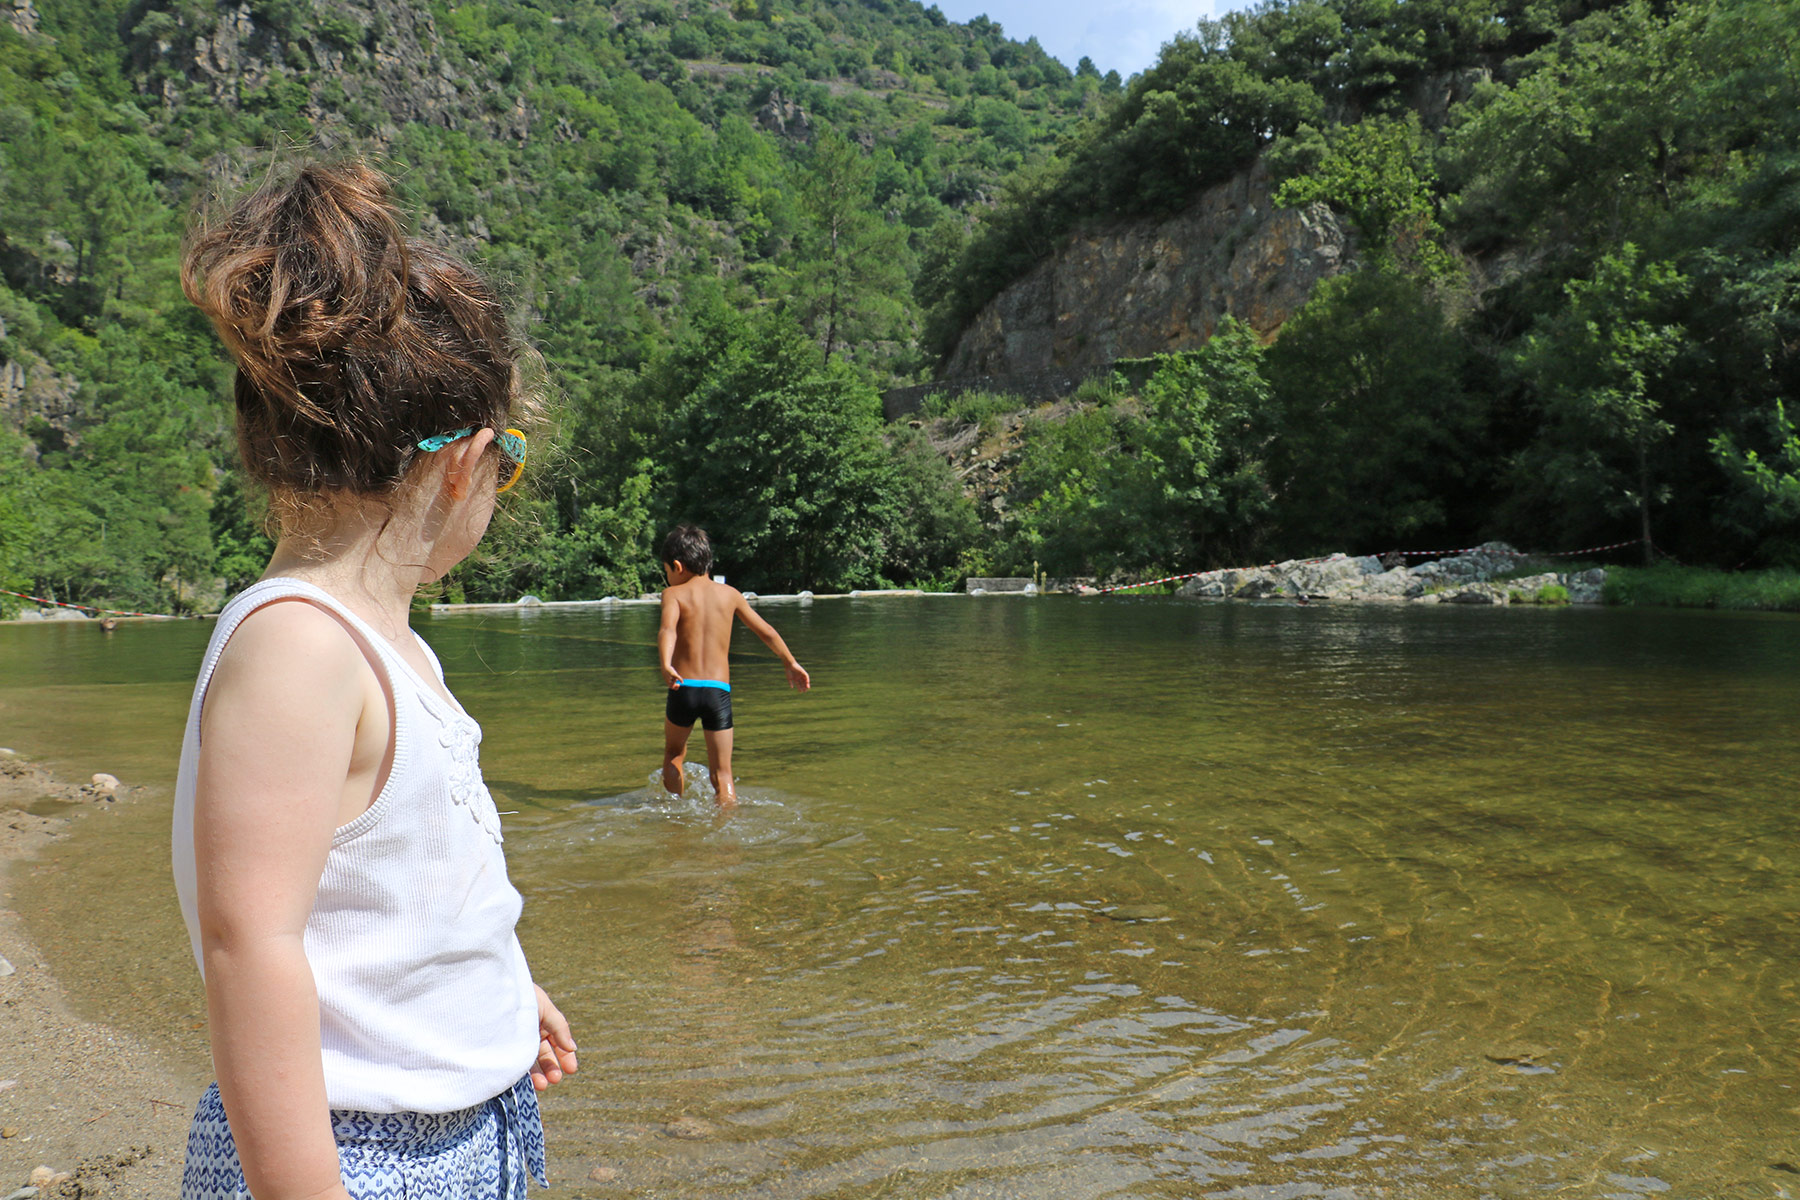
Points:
(718, 683)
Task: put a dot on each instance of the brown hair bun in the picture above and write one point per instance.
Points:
(353, 341)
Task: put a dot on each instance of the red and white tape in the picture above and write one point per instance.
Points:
(110, 612)
(1511, 553)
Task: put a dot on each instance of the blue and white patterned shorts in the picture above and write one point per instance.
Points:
(479, 1153)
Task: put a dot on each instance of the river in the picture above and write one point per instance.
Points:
(1057, 897)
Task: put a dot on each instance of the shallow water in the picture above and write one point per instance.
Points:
(1083, 898)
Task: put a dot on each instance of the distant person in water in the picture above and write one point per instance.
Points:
(694, 644)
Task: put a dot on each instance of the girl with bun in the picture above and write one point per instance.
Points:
(374, 1026)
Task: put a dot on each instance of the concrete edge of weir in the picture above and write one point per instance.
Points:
(532, 603)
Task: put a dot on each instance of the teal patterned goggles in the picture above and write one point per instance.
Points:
(511, 444)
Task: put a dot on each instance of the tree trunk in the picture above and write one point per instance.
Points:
(1644, 506)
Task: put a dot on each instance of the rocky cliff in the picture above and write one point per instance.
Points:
(383, 57)
(1154, 286)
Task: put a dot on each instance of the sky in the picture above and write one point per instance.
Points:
(1119, 35)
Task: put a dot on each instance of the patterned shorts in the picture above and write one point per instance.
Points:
(479, 1153)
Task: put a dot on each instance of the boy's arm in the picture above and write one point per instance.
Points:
(796, 674)
(665, 637)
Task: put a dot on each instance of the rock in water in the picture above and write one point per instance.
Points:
(690, 1129)
(1518, 1054)
(1138, 912)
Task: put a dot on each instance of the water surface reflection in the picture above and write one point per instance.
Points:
(1148, 898)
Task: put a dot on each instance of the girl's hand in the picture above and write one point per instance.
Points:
(556, 1045)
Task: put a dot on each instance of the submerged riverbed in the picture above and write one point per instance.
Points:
(1080, 898)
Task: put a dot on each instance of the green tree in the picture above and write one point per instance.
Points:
(1206, 434)
(1775, 479)
(780, 457)
(1376, 434)
(851, 262)
(1594, 368)
(1378, 172)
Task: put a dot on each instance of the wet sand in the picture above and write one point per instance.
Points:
(76, 1097)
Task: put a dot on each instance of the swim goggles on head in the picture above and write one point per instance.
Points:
(510, 443)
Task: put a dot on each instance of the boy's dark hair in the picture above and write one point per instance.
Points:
(689, 546)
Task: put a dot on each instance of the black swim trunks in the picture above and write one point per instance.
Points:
(709, 704)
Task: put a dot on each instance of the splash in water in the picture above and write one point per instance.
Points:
(696, 785)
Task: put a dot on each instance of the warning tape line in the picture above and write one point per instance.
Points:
(1511, 553)
(1120, 587)
(1307, 562)
(111, 612)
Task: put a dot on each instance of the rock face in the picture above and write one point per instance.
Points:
(1150, 287)
(20, 14)
(1458, 579)
(231, 52)
(37, 399)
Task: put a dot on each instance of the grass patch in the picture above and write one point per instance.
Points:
(1703, 587)
(971, 408)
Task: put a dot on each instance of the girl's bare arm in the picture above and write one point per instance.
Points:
(278, 731)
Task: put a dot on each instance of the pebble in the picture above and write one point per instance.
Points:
(1518, 1054)
(690, 1129)
(105, 782)
(1139, 912)
(603, 1174)
(40, 1177)
(11, 1131)
(6, 968)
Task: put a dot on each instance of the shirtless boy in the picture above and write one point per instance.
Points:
(694, 643)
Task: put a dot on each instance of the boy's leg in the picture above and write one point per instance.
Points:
(675, 740)
(718, 761)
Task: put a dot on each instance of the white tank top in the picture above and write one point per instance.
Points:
(425, 1001)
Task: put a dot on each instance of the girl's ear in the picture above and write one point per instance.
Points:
(464, 460)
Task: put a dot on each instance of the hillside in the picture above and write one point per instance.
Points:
(1436, 272)
(615, 164)
(1559, 247)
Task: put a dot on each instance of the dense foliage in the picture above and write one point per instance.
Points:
(620, 166)
(1573, 318)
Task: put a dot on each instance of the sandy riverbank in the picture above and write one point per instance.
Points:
(76, 1096)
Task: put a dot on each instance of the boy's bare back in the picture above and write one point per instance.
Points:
(703, 615)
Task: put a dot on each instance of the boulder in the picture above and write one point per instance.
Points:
(1261, 586)
(1586, 587)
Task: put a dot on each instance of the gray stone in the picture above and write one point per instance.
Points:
(977, 584)
(1586, 587)
(1259, 587)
